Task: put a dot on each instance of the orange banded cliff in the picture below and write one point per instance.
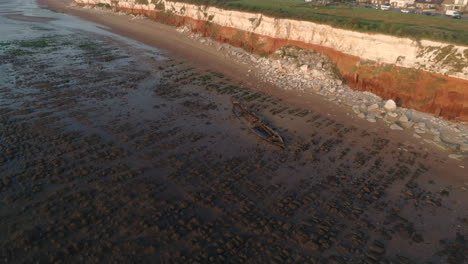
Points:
(424, 75)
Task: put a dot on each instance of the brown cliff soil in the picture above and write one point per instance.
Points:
(420, 90)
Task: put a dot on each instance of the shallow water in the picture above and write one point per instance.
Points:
(112, 151)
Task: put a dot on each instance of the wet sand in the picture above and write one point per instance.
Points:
(29, 18)
(111, 152)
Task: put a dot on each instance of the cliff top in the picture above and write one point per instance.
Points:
(353, 17)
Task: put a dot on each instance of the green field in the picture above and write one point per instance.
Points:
(355, 18)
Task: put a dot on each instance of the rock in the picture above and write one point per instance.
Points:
(464, 147)
(435, 131)
(416, 136)
(451, 146)
(396, 127)
(408, 124)
(392, 115)
(418, 116)
(317, 74)
(403, 119)
(304, 68)
(361, 115)
(373, 108)
(356, 109)
(450, 138)
(420, 131)
(371, 119)
(421, 125)
(390, 106)
(456, 156)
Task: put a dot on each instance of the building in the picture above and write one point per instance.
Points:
(429, 4)
(459, 5)
(402, 3)
(380, 2)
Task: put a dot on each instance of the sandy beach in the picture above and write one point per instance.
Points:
(115, 150)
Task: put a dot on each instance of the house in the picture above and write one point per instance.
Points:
(459, 5)
(380, 2)
(428, 4)
(402, 3)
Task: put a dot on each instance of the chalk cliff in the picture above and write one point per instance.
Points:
(425, 75)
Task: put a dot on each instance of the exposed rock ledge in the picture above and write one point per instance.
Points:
(424, 75)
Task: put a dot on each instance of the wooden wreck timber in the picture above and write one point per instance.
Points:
(256, 125)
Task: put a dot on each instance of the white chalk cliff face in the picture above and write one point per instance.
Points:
(432, 56)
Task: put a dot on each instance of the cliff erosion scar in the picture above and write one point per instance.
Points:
(422, 90)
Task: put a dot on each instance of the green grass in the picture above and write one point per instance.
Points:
(355, 18)
(107, 5)
(40, 43)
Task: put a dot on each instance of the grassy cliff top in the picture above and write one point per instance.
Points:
(354, 18)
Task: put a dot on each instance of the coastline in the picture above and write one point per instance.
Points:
(179, 46)
(116, 151)
(247, 74)
(428, 88)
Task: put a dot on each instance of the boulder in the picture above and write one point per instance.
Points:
(464, 147)
(457, 157)
(406, 124)
(421, 125)
(396, 127)
(403, 118)
(373, 108)
(416, 116)
(419, 131)
(390, 105)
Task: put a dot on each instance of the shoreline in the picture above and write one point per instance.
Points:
(245, 73)
(408, 74)
(115, 150)
(167, 38)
